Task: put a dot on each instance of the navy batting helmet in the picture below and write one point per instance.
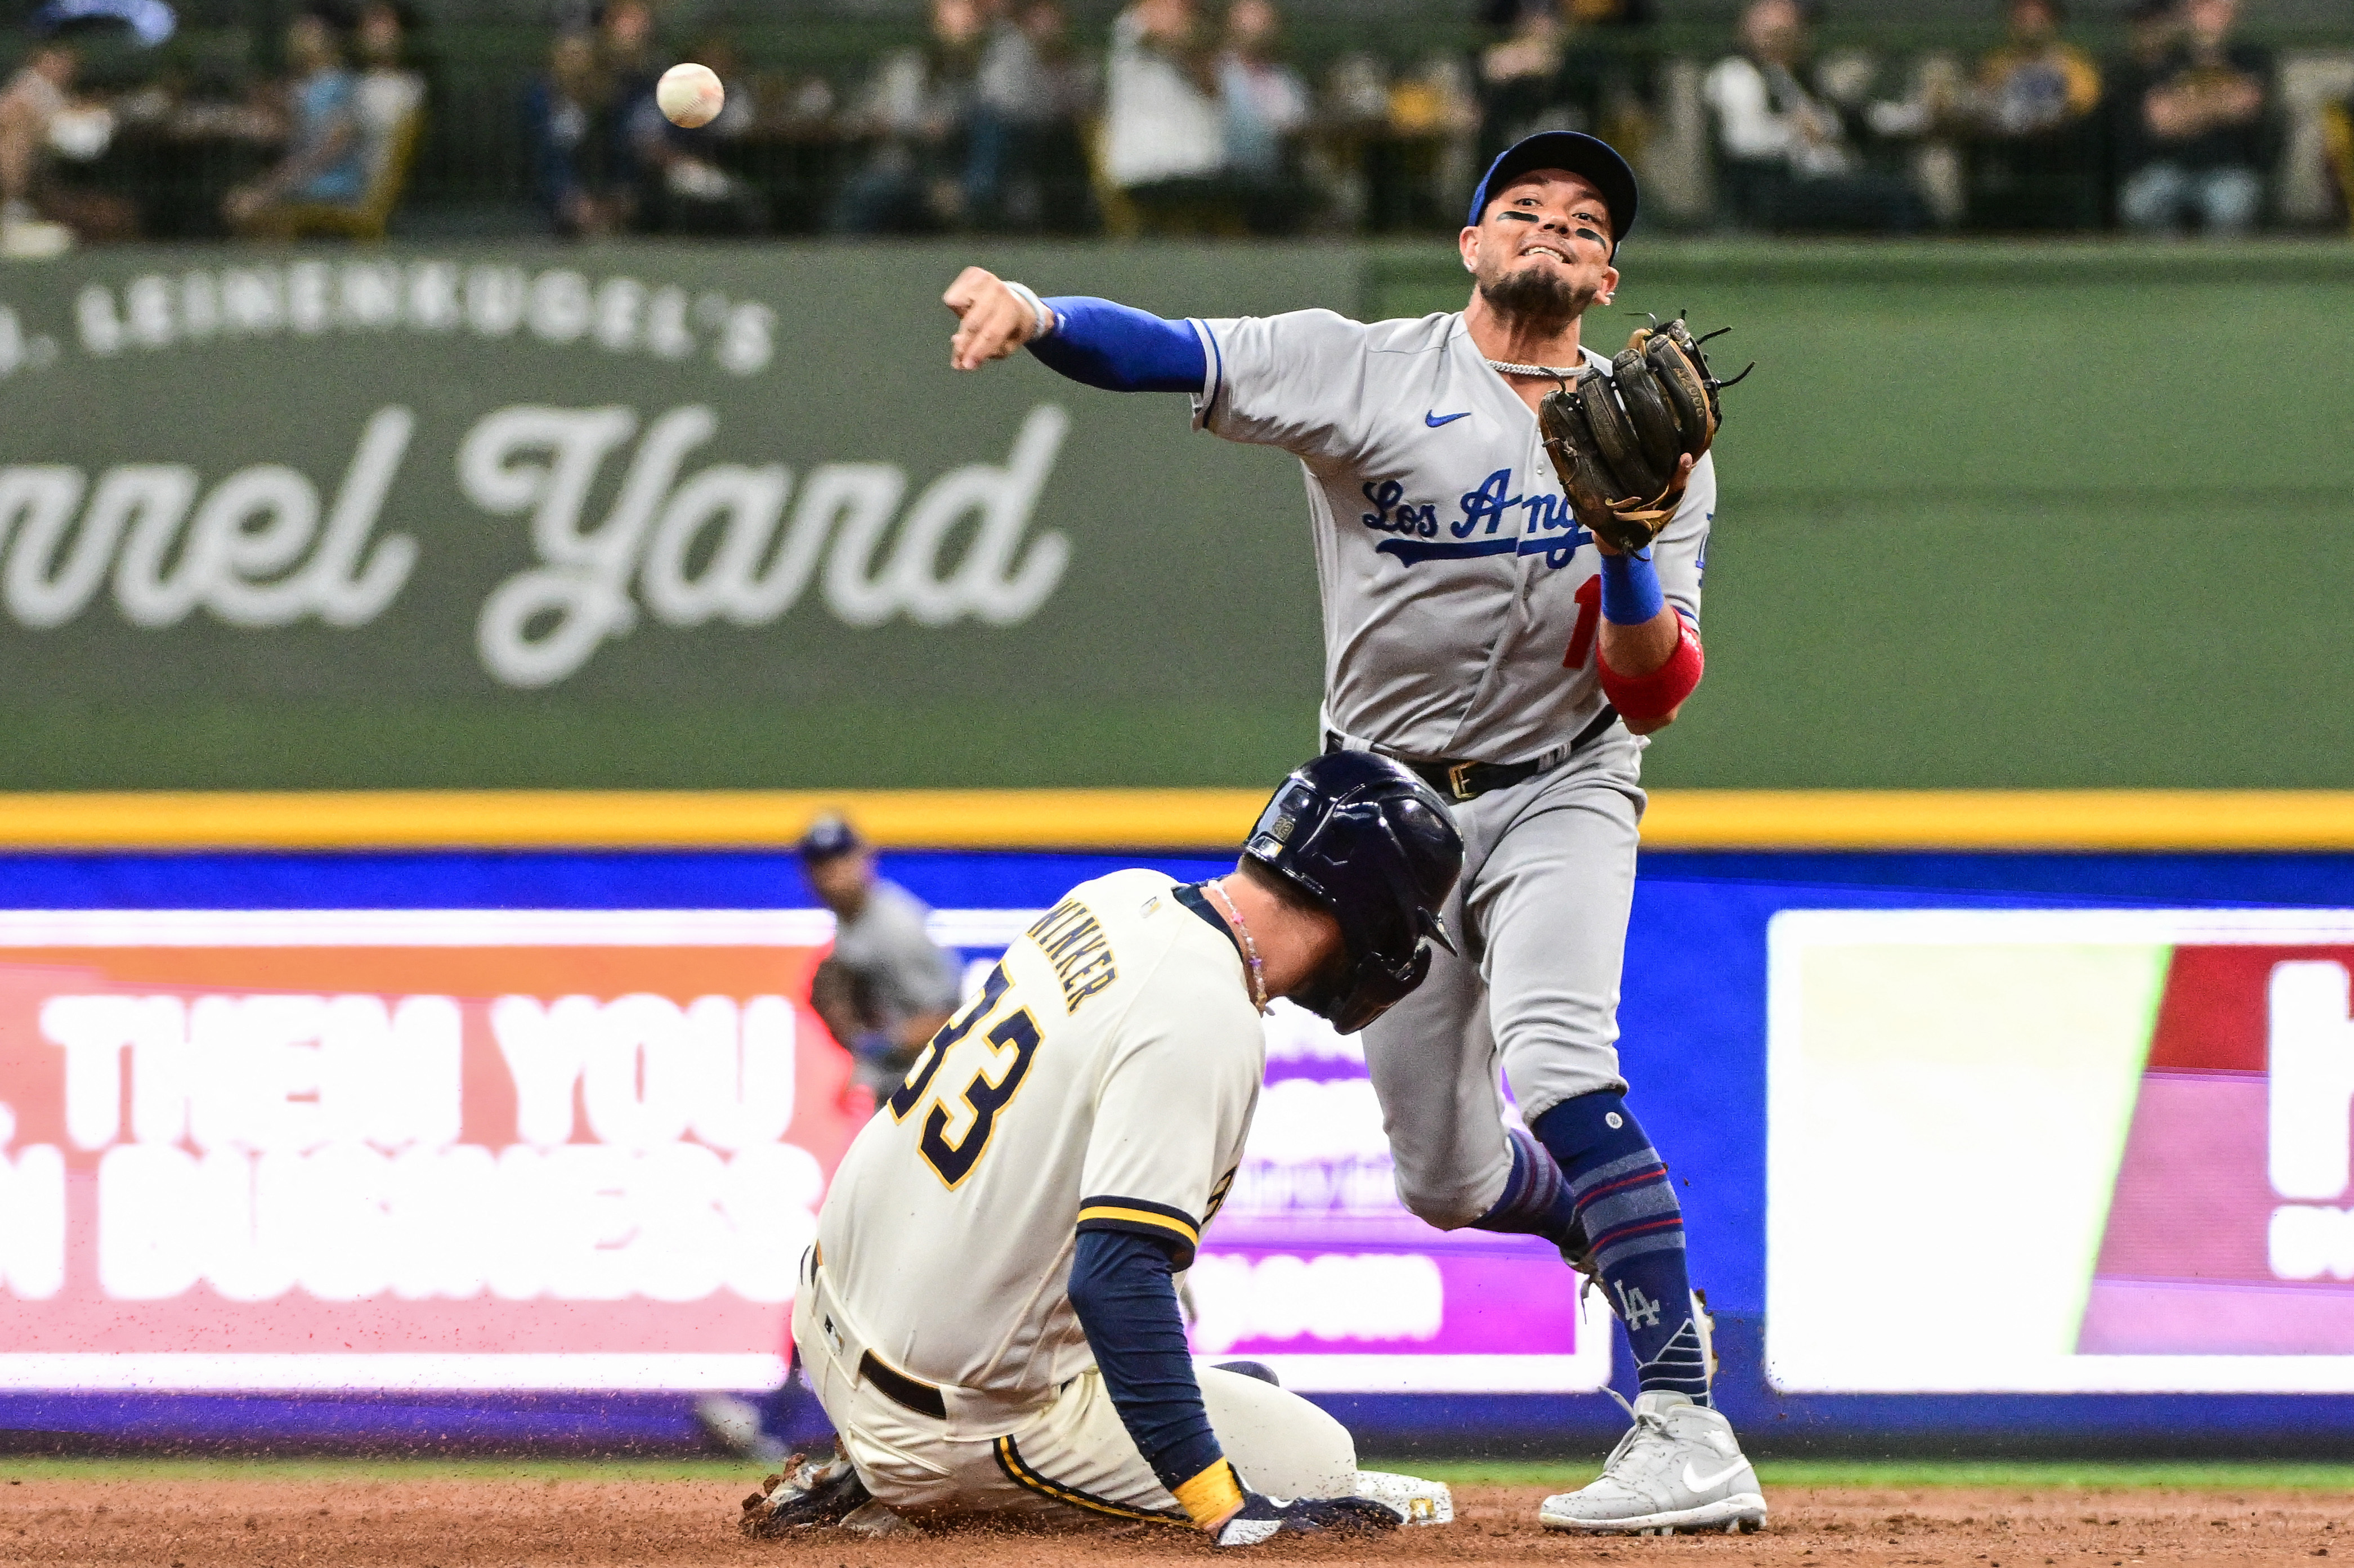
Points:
(1376, 847)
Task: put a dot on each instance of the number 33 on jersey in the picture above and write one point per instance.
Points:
(1103, 1078)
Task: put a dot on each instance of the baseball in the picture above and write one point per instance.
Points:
(689, 95)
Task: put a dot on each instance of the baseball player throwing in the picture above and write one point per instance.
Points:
(1477, 630)
(989, 1314)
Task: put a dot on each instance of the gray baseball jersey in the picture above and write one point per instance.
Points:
(1461, 596)
(887, 946)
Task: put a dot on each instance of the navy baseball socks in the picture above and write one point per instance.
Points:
(1587, 1180)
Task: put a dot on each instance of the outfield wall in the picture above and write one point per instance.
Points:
(1985, 1143)
(630, 516)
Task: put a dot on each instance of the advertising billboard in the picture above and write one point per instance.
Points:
(490, 1149)
(2083, 1151)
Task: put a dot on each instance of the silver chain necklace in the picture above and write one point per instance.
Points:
(1250, 948)
(1550, 371)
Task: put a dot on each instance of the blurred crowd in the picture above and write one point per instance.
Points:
(2176, 133)
(1184, 117)
(321, 147)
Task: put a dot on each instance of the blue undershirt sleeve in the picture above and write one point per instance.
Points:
(1122, 349)
(1127, 1302)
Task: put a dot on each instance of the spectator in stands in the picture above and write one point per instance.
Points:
(325, 161)
(914, 116)
(1165, 140)
(2152, 29)
(39, 215)
(1785, 159)
(1027, 164)
(1556, 70)
(2036, 151)
(577, 168)
(1265, 104)
(388, 100)
(886, 987)
(2206, 116)
(625, 48)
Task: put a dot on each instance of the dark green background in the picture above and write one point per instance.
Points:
(1990, 516)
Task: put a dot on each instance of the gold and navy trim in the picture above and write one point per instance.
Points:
(1017, 1471)
(1140, 1217)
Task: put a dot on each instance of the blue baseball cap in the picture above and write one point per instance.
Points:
(1588, 157)
(830, 836)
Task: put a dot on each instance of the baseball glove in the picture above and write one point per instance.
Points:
(1617, 437)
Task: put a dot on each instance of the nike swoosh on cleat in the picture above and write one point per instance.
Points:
(1703, 1483)
(1435, 419)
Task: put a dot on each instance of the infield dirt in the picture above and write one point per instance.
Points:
(313, 1519)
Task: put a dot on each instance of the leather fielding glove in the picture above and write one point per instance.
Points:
(1615, 438)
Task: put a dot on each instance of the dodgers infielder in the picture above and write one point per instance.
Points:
(1476, 631)
(989, 1314)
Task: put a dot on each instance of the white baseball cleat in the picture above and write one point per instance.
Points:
(1678, 1469)
(1419, 1501)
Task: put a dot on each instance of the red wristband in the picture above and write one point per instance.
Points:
(1655, 696)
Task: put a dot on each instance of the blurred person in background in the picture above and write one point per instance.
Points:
(625, 48)
(886, 987)
(388, 86)
(389, 98)
(41, 214)
(1027, 163)
(577, 168)
(1559, 70)
(1785, 160)
(2152, 29)
(1164, 137)
(683, 185)
(915, 115)
(326, 160)
(883, 991)
(2036, 149)
(2206, 118)
(1266, 108)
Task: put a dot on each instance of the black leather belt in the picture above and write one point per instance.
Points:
(901, 1389)
(1467, 780)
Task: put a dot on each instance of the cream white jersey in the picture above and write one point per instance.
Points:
(1104, 1078)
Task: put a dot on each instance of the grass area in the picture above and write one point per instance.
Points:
(2220, 1475)
(2091, 1475)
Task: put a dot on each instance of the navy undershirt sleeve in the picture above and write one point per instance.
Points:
(1122, 349)
(1127, 1301)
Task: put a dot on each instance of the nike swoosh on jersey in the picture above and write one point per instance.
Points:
(1435, 419)
(1699, 1483)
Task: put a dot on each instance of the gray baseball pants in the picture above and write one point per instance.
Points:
(1541, 914)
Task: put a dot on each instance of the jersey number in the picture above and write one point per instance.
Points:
(987, 1097)
(1589, 615)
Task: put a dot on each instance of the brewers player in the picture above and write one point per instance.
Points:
(1476, 631)
(989, 1315)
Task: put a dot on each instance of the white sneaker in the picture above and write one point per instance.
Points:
(1679, 1468)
